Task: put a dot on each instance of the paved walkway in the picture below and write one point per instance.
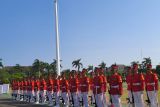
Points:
(5, 101)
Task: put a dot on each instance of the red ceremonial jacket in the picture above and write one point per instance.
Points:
(115, 82)
(129, 81)
(151, 81)
(137, 82)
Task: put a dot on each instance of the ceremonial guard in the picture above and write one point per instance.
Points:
(137, 86)
(129, 86)
(56, 89)
(151, 85)
(104, 85)
(84, 87)
(73, 87)
(32, 94)
(50, 89)
(65, 89)
(98, 88)
(91, 85)
(25, 89)
(43, 88)
(37, 90)
(115, 82)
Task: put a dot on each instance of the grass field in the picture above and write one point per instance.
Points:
(123, 97)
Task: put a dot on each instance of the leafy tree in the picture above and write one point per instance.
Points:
(1, 64)
(38, 66)
(158, 69)
(4, 76)
(77, 64)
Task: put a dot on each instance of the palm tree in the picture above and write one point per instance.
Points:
(90, 68)
(145, 62)
(1, 65)
(77, 64)
(53, 66)
(102, 65)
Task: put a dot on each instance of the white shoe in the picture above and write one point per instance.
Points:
(36, 102)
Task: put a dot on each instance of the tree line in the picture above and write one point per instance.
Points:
(39, 68)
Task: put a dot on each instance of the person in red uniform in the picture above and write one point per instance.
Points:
(129, 85)
(104, 85)
(13, 89)
(115, 83)
(43, 88)
(98, 88)
(92, 74)
(37, 90)
(137, 86)
(84, 87)
(56, 88)
(18, 89)
(73, 87)
(65, 88)
(50, 89)
(32, 93)
(29, 88)
(151, 85)
(22, 90)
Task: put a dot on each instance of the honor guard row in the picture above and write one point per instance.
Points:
(82, 89)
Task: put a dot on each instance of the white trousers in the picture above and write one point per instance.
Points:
(85, 99)
(138, 99)
(75, 99)
(37, 95)
(99, 100)
(130, 98)
(43, 95)
(49, 94)
(56, 95)
(32, 94)
(152, 97)
(65, 98)
(116, 100)
(105, 102)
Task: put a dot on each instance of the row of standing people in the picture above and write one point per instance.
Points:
(78, 87)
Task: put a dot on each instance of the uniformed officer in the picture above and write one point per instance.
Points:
(137, 86)
(43, 88)
(98, 88)
(129, 86)
(56, 89)
(84, 87)
(37, 90)
(73, 87)
(115, 82)
(151, 85)
(65, 88)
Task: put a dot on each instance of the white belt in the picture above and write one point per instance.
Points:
(97, 86)
(73, 86)
(150, 83)
(116, 86)
(136, 83)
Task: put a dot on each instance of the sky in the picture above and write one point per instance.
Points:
(112, 31)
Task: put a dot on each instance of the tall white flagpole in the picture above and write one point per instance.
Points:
(57, 37)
